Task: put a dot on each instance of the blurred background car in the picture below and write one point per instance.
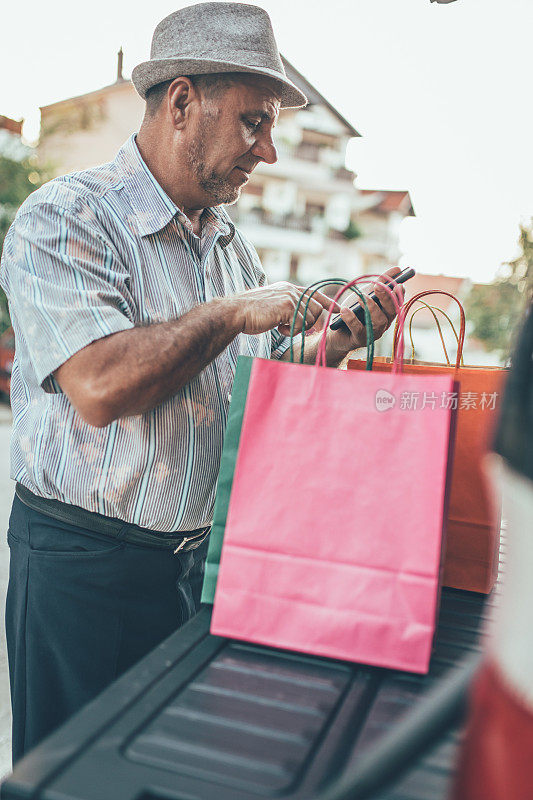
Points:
(7, 354)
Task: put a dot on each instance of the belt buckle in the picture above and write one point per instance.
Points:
(199, 538)
(183, 543)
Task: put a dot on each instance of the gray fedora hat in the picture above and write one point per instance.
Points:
(215, 37)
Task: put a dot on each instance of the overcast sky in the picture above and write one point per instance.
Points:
(440, 93)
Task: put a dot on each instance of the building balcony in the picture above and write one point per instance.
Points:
(261, 216)
(309, 167)
(295, 234)
(343, 174)
(307, 152)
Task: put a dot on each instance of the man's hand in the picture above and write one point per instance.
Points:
(342, 341)
(273, 306)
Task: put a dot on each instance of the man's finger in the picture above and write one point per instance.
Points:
(380, 318)
(354, 326)
(380, 321)
(322, 299)
(314, 311)
(385, 300)
(298, 325)
(391, 273)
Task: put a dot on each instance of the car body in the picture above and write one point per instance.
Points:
(7, 354)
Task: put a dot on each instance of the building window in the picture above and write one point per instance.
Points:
(315, 209)
(308, 151)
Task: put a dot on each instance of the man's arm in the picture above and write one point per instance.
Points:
(69, 293)
(134, 370)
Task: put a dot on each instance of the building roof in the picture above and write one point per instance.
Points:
(11, 125)
(388, 201)
(459, 287)
(313, 95)
(112, 87)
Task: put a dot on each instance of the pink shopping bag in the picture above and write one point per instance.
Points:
(334, 530)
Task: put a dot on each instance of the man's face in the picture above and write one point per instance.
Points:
(231, 135)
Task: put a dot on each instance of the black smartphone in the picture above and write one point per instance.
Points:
(337, 321)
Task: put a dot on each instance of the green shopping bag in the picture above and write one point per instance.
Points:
(225, 478)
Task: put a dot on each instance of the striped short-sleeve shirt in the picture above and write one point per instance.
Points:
(97, 252)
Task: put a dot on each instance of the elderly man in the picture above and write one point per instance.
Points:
(132, 295)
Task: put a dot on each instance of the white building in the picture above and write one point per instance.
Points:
(10, 135)
(303, 214)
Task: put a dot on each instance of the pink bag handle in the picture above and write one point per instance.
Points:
(398, 333)
(321, 352)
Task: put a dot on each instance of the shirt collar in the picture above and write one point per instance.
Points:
(152, 206)
(219, 218)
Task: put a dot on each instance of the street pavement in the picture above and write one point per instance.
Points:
(6, 496)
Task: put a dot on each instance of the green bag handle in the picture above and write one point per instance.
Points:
(316, 286)
(321, 353)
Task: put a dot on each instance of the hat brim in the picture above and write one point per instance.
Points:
(150, 73)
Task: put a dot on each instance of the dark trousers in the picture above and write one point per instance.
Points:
(81, 609)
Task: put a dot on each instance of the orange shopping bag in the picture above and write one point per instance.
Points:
(472, 532)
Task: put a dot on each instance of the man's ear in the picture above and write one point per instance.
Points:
(181, 96)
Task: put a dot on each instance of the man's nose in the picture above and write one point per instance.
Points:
(265, 149)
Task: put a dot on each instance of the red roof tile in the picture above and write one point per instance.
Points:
(422, 283)
(387, 201)
(11, 125)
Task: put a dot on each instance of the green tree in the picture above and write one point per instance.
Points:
(19, 177)
(353, 230)
(495, 309)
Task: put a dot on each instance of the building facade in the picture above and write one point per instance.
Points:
(303, 214)
(10, 137)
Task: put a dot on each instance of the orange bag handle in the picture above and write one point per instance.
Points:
(433, 310)
(405, 310)
(437, 323)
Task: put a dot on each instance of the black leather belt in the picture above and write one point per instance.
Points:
(109, 526)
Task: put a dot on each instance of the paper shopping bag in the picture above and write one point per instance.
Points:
(225, 478)
(231, 446)
(334, 528)
(472, 531)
